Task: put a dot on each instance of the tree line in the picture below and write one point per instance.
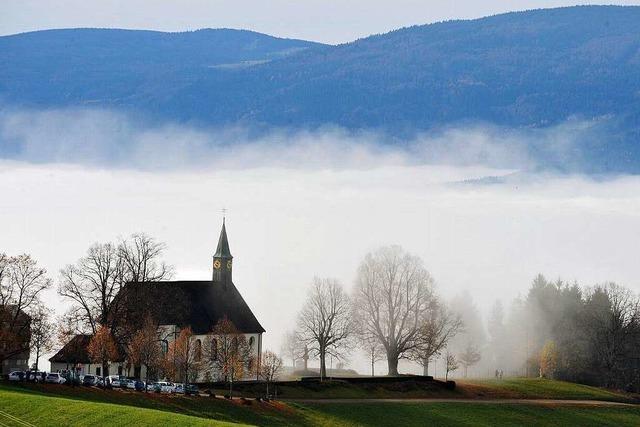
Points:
(392, 313)
(558, 330)
(570, 332)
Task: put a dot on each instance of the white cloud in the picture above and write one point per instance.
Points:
(113, 139)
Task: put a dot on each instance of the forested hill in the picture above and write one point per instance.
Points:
(525, 69)
(110, 67)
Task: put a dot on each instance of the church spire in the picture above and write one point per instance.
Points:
(223, 244)
(222, 259)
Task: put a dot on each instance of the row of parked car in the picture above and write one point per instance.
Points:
(38, 377)
(111, 381)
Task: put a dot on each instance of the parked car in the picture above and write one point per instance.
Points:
(139, 385)
(179, 388)
(36, 376)
(113, 380)
(16, 376)
(192, 389)
(128, 383)
(54, 377)
(99, 381)
(90, 380)
(163, 387)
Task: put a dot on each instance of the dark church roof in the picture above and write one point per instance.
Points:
(199, 304)
(75, 351)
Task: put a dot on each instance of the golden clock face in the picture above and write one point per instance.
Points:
(229, 265)
(216, 264)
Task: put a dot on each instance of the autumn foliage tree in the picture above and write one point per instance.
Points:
(548, 359)
(102, 348)
(184, 359)
(229, 352)
(144, 348)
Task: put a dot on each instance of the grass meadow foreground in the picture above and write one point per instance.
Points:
(66, 406)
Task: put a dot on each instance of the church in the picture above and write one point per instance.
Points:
(175, 305)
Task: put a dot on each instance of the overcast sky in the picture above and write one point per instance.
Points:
(329, 21)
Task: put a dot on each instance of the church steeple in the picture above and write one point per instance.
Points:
(222, 259)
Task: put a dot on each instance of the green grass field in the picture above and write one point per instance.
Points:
(516, 388)
(65, 406)
(537, 388)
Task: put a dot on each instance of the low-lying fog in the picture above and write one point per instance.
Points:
(295, 213)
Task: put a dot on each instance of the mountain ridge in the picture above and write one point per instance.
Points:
(533, 68)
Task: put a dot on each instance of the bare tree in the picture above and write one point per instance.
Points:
(140, 255)
(144, 348)
(21, 282)
(374, 352)
(229, 352)
(270, 367)
(325, 322)
(92, 284)
(437, 328)
(102, 348)
(451, 364)
(42, 331)
(292, 347)
(392, 293)
(469, 357)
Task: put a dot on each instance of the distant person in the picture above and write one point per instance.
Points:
(497, 373)
(501, 373)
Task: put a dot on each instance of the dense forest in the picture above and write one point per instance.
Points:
(570, 332)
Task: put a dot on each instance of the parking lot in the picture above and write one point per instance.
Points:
(115, 382)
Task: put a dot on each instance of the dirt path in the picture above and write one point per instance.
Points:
(550, 402)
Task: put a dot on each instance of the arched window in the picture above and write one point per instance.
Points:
(214, 349)
(251, 341)
(164, 346)
(198, 350)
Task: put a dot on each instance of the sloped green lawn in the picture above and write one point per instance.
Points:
(43, 410)
(53, 405)
(539, 388)
(467, 414)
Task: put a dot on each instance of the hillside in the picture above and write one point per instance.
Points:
(53, 405)
(105, 67)
(526, 70)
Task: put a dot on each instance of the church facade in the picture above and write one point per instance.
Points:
(175, 305)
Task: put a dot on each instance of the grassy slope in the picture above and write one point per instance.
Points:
(537, 388)
(464, 414)
(64, 406)
(56, 411)
(517, 388)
